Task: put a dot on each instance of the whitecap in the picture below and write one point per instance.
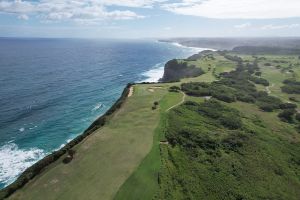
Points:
(13, 161)
(22, 129)
(154, 74)
(98, 106)
(192, 49)
(64, 144)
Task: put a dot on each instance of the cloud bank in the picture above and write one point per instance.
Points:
(88, 11)
(95, 11)
(236, 9)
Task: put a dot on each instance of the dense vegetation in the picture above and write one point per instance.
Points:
(236, 85)
(291, 86)
(177, 69)
(217, 153)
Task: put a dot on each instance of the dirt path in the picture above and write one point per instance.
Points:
(130, 91)
(268, 89)
(183, 99)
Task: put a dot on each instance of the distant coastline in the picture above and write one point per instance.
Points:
(157, 72)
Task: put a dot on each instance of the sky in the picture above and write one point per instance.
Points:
(149, 18)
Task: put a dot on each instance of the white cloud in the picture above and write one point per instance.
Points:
(241, 26)
(23, 16)
(76, 10)
(168, 28)
(273, 27)
(236, 9)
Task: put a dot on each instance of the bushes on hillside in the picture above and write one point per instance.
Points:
(228, 117)
(287, 115)
(259, 80)
(268, 103)
(287, 106)
(174, 89)
(177, 69)
(291, 86)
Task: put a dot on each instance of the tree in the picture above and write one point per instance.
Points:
(298, 117)
(258, 73)
(287, 115)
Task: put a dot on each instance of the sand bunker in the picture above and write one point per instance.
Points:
(130, 92)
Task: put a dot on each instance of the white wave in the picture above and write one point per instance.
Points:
(192, 49)
(98, 106)
(13, 161)
(22, 129)
(62, 145)
(154, 74)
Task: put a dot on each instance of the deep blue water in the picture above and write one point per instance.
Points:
(52, 89)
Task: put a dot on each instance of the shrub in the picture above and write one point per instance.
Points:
(258, 73)
(245, 98)
(260, 81)
(266, 107)
(267, 64)
(297, 117)
(267, 103)
(234, 141)
(174, 89)
(293, 99)
(67, 159)
(287, 106)
(287, 115)
(231, 121)
(291, 86)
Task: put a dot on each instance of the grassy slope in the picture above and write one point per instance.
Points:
(261, 168)
(265, 168)
(106, 158)
(143, 182)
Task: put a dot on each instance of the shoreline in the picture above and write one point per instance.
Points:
(155, 73)
(40, 165)
(53, 156)
(17, 158)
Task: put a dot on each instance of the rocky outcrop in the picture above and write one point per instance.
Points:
(177, 69)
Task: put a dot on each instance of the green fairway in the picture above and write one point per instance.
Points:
(105, 159)
(143, 182)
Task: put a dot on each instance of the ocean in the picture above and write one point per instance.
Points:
(51, 90)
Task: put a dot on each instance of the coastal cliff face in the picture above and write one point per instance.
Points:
(177, 69)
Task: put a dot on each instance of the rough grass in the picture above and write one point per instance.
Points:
(143, 182)
(262, 166)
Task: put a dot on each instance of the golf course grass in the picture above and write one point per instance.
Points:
(105, 159)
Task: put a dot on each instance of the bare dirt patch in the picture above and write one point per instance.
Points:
(130, 92)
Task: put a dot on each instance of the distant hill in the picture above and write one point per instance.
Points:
(265, 50)
(230, 43)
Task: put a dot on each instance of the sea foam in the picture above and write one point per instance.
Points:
(14, 161)
(154, 74)
(157, 71)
